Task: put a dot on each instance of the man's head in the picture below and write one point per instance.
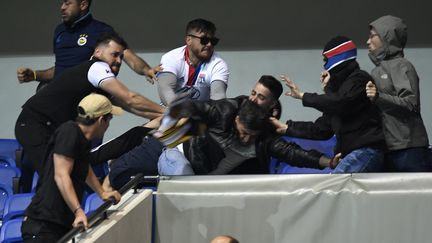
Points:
(251, 121)
(109, 48)
(72, 10)
(374, 41)
(338, 50)
(388, 36)
(224, 239)
(96, 110)
(266, 92)
(200, 38)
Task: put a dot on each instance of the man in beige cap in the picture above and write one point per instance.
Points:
(56, 207)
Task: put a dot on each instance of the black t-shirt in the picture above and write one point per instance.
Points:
(48, 203)
(58, 101)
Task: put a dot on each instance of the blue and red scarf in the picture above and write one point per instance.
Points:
(339, 54)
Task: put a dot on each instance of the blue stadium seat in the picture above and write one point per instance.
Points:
(324, 146)
(15, 205)
(93, 201)
(9, 147)
(11, 231)
(6, 161)
(5, 192)
(9, 176)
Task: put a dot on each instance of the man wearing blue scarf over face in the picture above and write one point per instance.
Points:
(347, 112)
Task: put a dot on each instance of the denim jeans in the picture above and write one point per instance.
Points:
(361, 160)
(174, 162)
(141, 159)
(410, 160)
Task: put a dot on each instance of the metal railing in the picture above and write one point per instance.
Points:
(101, 212)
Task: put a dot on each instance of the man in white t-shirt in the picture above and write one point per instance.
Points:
(194, 68)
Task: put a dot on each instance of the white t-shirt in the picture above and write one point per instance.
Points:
(99, 72)
(216, 69)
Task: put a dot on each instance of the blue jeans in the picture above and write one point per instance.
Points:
(361, 160)
(174, 162)
(141, 159)
(410, 160)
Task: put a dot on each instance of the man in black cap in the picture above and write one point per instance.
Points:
(347, 112)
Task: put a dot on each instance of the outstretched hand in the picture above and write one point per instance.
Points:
(151, 74)
(294, 92)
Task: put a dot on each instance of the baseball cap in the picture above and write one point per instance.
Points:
(96, 105)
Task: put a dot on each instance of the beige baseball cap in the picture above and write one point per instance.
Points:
(96, 105)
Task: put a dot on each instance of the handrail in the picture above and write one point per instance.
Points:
(101, 210)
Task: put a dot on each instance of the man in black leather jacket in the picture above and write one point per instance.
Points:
(238, 130)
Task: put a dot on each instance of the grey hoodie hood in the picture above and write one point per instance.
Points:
(393, 33)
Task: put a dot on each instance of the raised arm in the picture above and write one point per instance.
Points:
(25, 75)
(138, 65)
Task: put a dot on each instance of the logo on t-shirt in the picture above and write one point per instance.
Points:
(82, 40)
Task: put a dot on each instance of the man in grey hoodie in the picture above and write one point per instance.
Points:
(396, 92)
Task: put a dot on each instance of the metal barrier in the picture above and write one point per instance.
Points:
(101, 212)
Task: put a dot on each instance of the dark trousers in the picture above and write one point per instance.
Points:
(33, 133)
(39, 231)
(410, 160)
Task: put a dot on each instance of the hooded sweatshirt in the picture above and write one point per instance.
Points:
(398, 87)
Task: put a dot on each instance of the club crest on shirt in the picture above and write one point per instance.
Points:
(201, 78)
(384, 76)
(82, 40)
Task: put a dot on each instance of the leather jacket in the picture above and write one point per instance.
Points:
(205, 152)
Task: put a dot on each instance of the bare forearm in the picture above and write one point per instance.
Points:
(136, 63)
(144, 107)
(65, 186)
(93, 182)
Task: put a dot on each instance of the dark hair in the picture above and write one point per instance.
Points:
(106, 37)
(272, 84)
(253, 116)
(201, 25)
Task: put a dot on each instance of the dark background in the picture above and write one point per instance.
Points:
(158, 26)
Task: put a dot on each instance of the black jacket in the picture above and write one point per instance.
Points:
(347, 112)
(207, 151)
